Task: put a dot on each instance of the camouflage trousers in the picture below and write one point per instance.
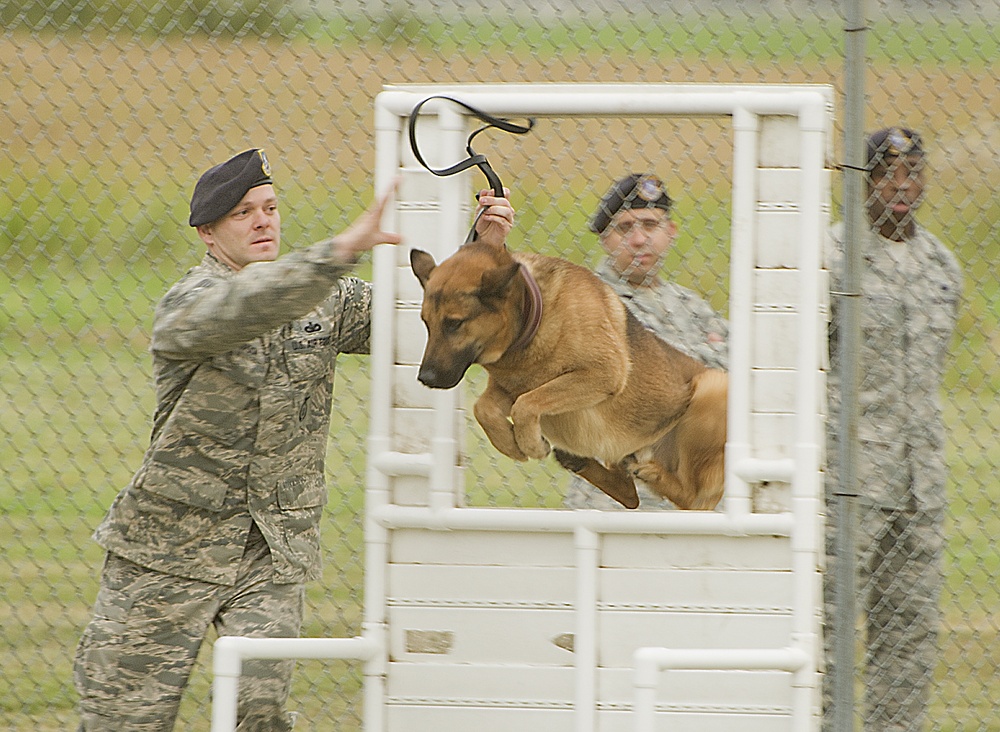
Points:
(137, 652)
(899, 587)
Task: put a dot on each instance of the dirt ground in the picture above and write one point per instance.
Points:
(150, 107)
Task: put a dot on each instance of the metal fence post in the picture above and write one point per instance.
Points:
(850, 329)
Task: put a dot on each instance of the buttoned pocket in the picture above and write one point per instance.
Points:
(308, 348)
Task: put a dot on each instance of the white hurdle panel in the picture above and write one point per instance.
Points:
(598, 621)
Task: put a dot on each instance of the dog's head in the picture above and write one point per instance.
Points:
(466, 309)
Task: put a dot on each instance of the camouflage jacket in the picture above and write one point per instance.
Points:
(244, 366)
(910, 298)
(675, 314)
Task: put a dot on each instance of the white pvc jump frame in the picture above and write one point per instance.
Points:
(744, 105)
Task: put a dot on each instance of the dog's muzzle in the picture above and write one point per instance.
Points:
(445, 373)
(437, 378)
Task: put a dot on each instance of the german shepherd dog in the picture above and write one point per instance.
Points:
(570, 367)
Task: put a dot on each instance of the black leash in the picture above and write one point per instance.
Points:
(474, 158)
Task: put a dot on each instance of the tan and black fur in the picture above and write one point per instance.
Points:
(614, 401)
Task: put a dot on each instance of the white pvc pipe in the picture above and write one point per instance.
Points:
(649, 662)
(757, 470)
(231, 651)
(395, 464)
(452, 231)
(597, 100)
(737, 499)
(585, 632)
(807, 503)
(811, 128)
(384, 258)
(567, 521)
(374, 617)
(444, 450)
(383, 285)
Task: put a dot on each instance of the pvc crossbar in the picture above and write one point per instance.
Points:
(568, 521)
(230, 652)
(621, 101)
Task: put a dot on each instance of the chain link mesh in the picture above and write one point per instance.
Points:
(110, 110)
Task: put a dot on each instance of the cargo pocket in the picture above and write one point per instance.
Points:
(97, 671)
(301, 501)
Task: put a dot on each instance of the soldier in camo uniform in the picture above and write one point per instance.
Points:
(636, 230)
(911, 286)
(220, 524)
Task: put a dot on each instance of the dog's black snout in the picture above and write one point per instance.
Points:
(436, 378)
(426, 376)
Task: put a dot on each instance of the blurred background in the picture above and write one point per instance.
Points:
(110, 110)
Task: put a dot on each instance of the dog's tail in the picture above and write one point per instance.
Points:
(709, 391)
(703, 432)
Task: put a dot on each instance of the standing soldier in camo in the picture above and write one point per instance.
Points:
(636, 230)
(911, 286)
(220, 524)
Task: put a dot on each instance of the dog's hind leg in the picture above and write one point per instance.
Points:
(616, 482)
(682, 493)
(683, 469)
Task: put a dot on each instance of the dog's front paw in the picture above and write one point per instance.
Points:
(501, 436)
(539, 451)
(514, 453)
(533, 445)
(505, 443)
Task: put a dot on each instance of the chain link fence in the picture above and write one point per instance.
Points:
(110, 111)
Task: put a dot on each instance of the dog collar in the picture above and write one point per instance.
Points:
(532, 312)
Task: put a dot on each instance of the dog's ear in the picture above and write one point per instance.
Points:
(422, 265)
(495, 282)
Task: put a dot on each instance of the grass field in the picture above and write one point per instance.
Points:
(96, 181)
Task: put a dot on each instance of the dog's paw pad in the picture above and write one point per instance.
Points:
(541, 453)
(646, 472)
(540, 450)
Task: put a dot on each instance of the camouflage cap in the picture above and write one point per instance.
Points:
(222, 187)
(892, 142)
(638, 190)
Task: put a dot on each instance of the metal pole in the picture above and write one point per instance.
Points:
(850, 340)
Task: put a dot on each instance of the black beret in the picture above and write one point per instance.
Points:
(222, 187)
(638, 190)
(892, 141)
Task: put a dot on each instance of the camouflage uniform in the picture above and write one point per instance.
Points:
(911, 292)
(220, 524)
(682, 319)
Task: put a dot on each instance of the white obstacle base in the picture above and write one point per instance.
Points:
(563, 620)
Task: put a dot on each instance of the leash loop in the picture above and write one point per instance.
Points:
(474, 159)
